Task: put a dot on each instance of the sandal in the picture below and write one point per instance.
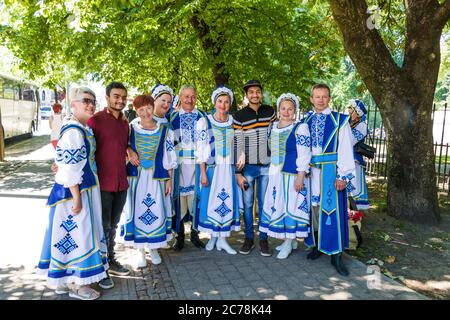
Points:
(84, 293)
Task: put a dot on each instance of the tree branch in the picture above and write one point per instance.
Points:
(442, 14)
(365, 46)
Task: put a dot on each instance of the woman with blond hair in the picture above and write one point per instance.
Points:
(74, 250)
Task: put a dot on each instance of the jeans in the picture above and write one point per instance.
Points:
(112, 206)
(261, 175)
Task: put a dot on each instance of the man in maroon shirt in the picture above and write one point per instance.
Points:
(110, 129)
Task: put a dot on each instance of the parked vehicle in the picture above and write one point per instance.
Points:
(18, 107)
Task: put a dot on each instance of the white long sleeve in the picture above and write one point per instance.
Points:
(359, 132)
(346, 161)
(303, 143)
(71, 157)
(169, 154)
(203, 148)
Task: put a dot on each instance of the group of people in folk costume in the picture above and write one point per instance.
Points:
(186, 165)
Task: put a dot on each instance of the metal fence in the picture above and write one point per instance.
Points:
(441, 135)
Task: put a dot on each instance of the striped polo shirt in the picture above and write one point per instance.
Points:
(251, 129)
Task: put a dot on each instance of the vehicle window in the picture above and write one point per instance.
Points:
(8, 89)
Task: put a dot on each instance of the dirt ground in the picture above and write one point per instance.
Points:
(416, 255)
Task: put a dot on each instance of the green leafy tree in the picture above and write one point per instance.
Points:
(284, 43)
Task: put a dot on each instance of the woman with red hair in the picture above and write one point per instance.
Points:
(55, 123)
(148, 210)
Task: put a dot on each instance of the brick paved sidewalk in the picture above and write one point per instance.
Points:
(195, 274)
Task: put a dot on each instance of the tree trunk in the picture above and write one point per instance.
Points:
(404, 96)
(412, 191)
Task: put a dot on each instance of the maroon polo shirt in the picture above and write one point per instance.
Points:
(111, 136)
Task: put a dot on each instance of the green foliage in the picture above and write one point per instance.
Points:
(285, 44)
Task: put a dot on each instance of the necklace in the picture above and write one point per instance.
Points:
(290, 123)
(215, 118)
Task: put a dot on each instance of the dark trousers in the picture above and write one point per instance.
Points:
(112, 206)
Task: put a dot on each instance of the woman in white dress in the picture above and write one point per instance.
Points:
(358, 186)
(286, 204)
(220, 197)
(55, 122)
(148, 210)
(74, 249)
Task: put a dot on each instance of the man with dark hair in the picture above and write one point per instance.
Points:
(110, 128)
(130, 113)
(251, 149)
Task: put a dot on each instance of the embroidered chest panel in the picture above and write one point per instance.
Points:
(223, 140)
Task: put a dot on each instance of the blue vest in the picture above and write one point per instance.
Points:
(59, 193)
(290, 158)
(158, 169)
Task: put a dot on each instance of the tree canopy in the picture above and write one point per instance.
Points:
(286, 44)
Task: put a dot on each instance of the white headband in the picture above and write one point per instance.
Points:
(220, 91)
(357, 109)
(288, 96)
(160, 89)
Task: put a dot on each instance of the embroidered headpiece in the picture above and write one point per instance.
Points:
(358, 106)
(288, 96)
(160, 89)
(220, 91)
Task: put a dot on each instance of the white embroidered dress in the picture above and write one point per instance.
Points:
(74, 249)
(286, 211)
(148, 211)
(358, 185)
(221, 201)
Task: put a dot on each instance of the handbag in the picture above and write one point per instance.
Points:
(365, 150)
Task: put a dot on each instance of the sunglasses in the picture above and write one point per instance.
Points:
(87, 101)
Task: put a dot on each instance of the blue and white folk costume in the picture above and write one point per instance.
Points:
(148, 211)
(286, 211)
(332, 158)
(187, 174)
(220, 203)
(74, 248)
(358, 186)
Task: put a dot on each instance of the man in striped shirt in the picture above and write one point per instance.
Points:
(251, 149)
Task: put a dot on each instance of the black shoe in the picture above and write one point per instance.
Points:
(336, 261)
(247, 247)
(106, 283)
(314, 254)
(179, 244)
(264, 248)
(116, 268)
(195, 240)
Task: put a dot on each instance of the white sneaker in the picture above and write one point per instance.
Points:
(281, 246)
(154, 255)
(223, 244)
(285, 250)
(211, 243)
(141, 261)
(294, 244)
